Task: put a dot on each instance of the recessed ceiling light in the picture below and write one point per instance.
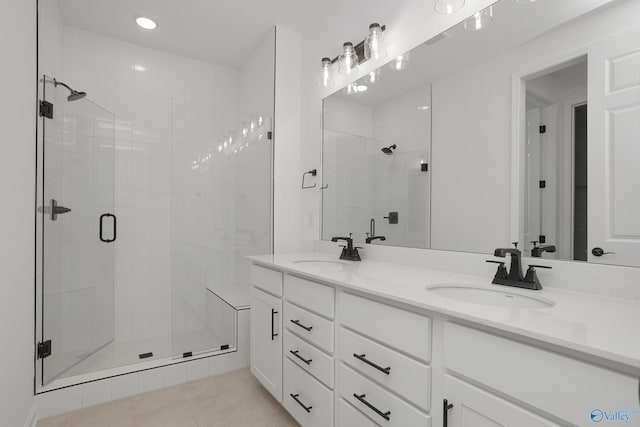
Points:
(138, 67)
(362, 88)
(146, 23)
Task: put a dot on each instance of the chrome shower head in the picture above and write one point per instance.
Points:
(389, 150)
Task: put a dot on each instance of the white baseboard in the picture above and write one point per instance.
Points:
(32, 418)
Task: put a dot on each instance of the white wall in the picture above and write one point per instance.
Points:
(17, 183)
(409, 23)
(287, 168)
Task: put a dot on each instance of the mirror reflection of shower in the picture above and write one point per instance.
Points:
(74, 94)
(389, 150)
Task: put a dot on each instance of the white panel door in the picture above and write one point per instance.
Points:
(614, 149)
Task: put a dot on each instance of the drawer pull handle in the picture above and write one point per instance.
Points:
(362, 358)
(295, 353)
(306, 328)
(295, 397)
(273, 334)
(361, 398)
(445, 412)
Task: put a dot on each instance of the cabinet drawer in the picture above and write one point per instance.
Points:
(574, 388)
(309, 358)
(266, 279)
(348, 416)
(310, 403)
(378, 403)
(309, 326)
(406, 331)
(407, 377)
(310, 295)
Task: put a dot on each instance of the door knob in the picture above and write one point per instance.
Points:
(599, 252)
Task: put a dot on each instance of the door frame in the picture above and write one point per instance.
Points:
(519, 128)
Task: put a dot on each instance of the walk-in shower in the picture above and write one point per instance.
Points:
(154, 184)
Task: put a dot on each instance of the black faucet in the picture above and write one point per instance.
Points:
(537, 251)
(372, 238)
(349, 252)
(514, 276)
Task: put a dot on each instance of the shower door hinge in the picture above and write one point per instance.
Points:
(44, 349)
(224, 347)
(542, 238)
(269, 135)
(543, 129)
(46, 109)
(542, 183)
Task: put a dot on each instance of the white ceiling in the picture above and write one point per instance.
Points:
(220, 31)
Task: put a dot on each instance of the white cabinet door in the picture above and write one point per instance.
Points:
(266, 341)
(474, 407)
(614, 149)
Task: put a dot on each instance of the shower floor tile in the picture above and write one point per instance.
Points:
(234, 399)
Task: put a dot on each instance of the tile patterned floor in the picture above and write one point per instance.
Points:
(234, 399)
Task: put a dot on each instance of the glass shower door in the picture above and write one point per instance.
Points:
(78, 228)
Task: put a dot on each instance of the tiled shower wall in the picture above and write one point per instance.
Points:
(139, 85)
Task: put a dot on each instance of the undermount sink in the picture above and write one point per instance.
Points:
(487, 296)
(319, 262)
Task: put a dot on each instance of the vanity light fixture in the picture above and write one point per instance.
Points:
(448, 7)
(400, 63)
(348, 60)
(479, 20)
(325, 77)
(374, 43)
(146, 23)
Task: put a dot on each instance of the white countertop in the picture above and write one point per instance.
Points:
(604, 327)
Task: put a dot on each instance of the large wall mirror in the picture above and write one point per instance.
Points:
(520, 126)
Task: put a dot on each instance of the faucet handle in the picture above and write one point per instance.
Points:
(535, 243)
(539, 266)
(502, 272)
(515, 244)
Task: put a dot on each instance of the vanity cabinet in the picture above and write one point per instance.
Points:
(266, 327)
(336, 357)
(565, 388)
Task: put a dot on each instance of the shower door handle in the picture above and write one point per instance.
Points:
(115, 227)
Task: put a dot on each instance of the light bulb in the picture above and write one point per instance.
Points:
(374, 43)
(348, 61)
(373, 77)
(479, 20)
(351, 88)
(324, 78)
(447, 7)
(400, 63)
